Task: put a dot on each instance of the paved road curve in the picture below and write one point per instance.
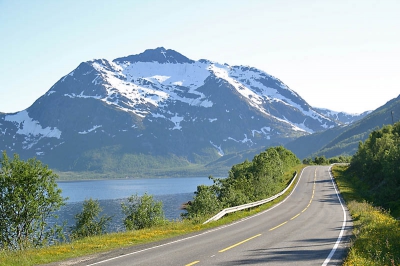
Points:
(311, 227)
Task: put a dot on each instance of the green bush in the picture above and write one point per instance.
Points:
(89, 222)
(142, 212)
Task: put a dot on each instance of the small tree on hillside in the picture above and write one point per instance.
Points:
(28, 197)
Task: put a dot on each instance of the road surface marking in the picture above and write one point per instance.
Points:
(237, 244)
(277, 226)
(192, 263)
(294, 217)
(339, 239)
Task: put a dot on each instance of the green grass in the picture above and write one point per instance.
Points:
(108, 242)
(376, 238)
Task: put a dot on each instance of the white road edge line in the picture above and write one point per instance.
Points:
(212, 230)
(343, 225)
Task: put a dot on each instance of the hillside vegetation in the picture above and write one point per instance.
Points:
(377, 164)
(246, 182)
(376, 233)
(370, 186)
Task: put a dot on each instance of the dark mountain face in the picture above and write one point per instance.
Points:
(159, 55)
(160, 104)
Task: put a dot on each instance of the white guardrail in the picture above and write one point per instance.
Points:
(248, 205)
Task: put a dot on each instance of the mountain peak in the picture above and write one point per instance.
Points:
(160, 55)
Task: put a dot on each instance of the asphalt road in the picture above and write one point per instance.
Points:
(311, 227)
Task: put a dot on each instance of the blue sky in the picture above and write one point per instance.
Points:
(341, 55)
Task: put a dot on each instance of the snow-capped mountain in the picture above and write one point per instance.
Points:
(342, 117)
(157, 103)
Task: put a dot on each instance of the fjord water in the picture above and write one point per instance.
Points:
(172, 192)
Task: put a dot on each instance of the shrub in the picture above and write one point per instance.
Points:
(142, 212)
(88, 222)
(205, 203)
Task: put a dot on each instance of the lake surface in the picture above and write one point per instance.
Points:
(172, 192)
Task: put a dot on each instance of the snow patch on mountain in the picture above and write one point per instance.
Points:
(247, 82)
(81, 95)
(71, 74)
(186, 75)
(89, 130)
(27, 126)
(219, 149)
(222, 72)
(158, 115)
(299, 126)
(176, 120)
(31, 129)
(264, 130)
(244, 140)
(143, 83)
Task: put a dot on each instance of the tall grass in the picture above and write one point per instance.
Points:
(376, 233)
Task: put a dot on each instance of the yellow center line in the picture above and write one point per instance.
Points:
(248, 239)
(192, 263)
(237, 244)
(294, 217)
(277, 226)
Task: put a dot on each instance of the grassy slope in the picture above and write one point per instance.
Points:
(376, 233)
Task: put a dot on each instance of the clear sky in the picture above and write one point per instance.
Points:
(338, 54)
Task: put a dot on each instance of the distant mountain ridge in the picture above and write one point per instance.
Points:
(343, 140)
(342, 117)
(107, 116)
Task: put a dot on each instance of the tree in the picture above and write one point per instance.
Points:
(142, 212)
(28, 197)
(320, 160)
(307, 161)
(268, 170)
(377, 163)
(89, 222)
(204, 204)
